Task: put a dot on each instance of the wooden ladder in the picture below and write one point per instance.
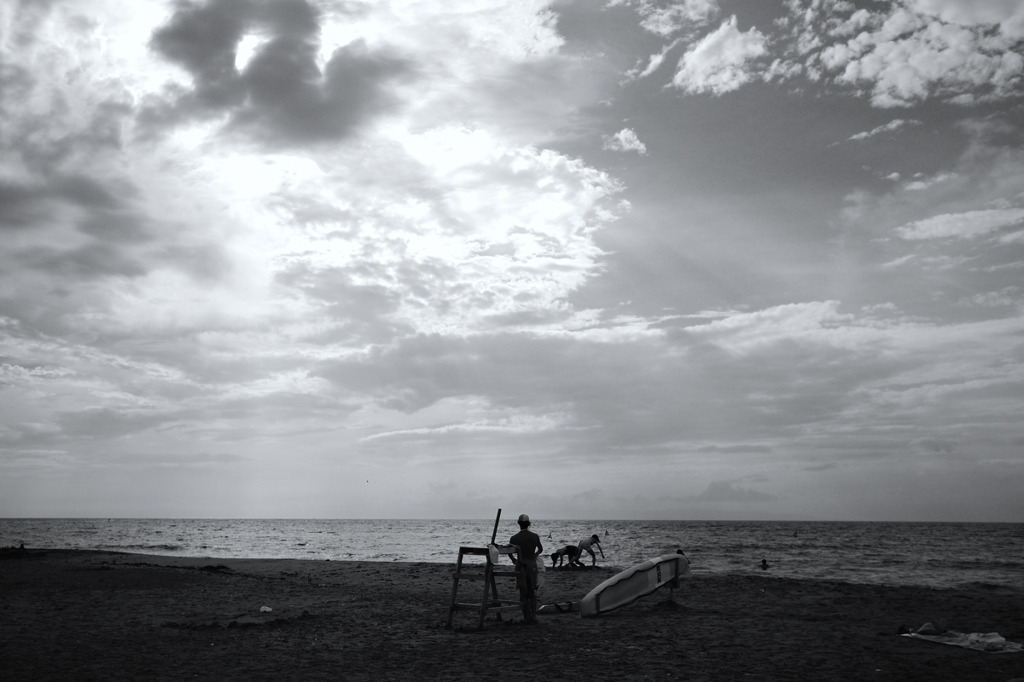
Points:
(489, 601)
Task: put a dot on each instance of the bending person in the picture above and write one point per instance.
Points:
(569, 552)
(587, 546)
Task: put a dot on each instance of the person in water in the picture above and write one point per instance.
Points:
(764, 564)
(569, 552)
(530, 549)
(587, 546)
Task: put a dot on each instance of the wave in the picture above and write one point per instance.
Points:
(993, 588)
(162, 547)
(977, 556)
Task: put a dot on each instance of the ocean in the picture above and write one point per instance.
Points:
(940, 555)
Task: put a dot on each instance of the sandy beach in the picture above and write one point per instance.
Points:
(81, 615)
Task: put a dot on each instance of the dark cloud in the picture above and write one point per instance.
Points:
(727, 491)
(202, 39)
(291, 99)
(116, 227)
(85, 192)
(25, 28)
(172, 460)
(281, 97)
(89, 262)
(940, 446)
(207, 262)
(362, 311)
(69, 132)
(105, 209)
(19, 205)
(734, 449)
(98, 422)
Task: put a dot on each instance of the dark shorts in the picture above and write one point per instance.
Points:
(526, 578)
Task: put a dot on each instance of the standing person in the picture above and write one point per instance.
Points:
(530, 550)
(586, 546)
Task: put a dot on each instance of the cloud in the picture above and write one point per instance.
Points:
(734, 449)
(959, 223)
(281, 96)
(897, 54)
(112, 213)
(351, 92)
(495, 231)
(720, 62)
(921, 182)
(623, 141)
(728, 491)
(654, 63)
(962, 225)
(1008, 15)
(745, 332)
(666, 21)
(941, 446)
(1008, 297)
(378, 241)
(889, 127)
(906, 54)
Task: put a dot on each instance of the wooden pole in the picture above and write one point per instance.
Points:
(497, 518)
(489, 582)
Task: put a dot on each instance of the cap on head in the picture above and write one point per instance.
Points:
(524, 520)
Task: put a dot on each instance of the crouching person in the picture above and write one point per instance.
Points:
(570, 552)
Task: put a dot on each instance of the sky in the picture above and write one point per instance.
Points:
(586, 260)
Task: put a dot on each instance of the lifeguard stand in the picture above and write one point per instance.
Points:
(489, 600)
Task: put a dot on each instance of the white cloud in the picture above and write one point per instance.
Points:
(654, 62)
(1006, 297)
(889, 127)
(963, 225)
(623, 141)
(929, 49)
(898, 54)
(443, 294)
(679, 20)
(666, 21)
(921, 182)
(1008, 15)
(810, 322)
(721, 61)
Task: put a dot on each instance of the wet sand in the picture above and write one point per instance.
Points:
(77, 615)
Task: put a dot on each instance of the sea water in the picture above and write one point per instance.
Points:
(924, 554)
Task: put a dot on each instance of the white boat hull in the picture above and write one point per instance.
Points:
(633, 583)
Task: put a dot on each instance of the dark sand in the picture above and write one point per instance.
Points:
(74, 615)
